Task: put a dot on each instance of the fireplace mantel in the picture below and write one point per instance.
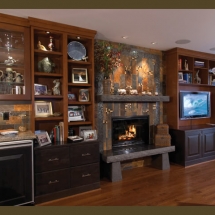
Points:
(131, 98)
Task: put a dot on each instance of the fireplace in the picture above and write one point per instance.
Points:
(130, 132)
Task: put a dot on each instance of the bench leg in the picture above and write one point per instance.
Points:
(116, 172)
(161, 161)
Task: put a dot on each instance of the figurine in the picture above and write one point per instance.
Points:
(41, 47)
(56, 88)
(84, 58)
(198, 79)
(51, 44)
(46, 65)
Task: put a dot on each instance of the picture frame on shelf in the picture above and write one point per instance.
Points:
(180, 76)
(83, 95)
(71, 96)
(76, 113)
(79, 75)
(43, 109)
(83, 128)
(43, 138)
(89, 135)
(40, 89)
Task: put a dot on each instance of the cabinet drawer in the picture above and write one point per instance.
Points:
(84, 175)
(51, 159)
(51, 182)
(84, 154)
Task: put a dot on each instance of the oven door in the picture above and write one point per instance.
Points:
(16, 173)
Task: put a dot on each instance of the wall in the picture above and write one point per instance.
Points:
(19, 116)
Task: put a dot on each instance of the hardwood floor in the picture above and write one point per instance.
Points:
(146, 186)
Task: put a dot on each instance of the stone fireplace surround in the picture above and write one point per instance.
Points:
(110, 158)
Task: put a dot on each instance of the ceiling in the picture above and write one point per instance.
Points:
(140, 26)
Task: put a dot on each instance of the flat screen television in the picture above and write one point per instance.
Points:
(194, 104)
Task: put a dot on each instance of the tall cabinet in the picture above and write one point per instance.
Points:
(15, 75)
(49, 47)
(193, 138)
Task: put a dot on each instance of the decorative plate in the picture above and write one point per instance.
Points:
(76, 50)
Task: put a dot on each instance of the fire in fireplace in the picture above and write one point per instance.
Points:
(127, 131)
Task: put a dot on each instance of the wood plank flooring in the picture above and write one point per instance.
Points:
(146, 186)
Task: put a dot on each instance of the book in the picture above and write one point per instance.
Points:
(186, 77)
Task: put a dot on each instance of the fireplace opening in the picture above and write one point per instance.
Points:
(128, 132)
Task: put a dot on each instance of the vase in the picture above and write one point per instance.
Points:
(106, 86)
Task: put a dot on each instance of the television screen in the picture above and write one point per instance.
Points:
(194, 104)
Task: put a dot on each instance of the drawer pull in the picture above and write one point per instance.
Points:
(54, 159)
(53, 182)
(87, 154)
(87, 175)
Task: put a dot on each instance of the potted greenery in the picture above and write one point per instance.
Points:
(107, 58)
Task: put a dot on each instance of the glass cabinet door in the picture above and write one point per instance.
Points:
(14, 62)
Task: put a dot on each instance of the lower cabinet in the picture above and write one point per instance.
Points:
(64, 170)
(192, 146)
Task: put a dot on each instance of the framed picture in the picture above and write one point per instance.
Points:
(43, 108)
(89, 135)
(83, 95)
(79, 75)
(83, 128)
(71, 97)
(40, 89)
(42, 138)
(76, 113)
(180, 76)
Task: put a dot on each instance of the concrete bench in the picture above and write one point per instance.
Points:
(111, 159)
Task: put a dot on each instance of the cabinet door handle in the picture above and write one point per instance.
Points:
(54, 159)
(87, 175)
(53, 182)
(87, 154)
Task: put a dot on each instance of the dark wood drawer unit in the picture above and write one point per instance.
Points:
(84, 154)
(51, 159)
(68, 169)
(53, 181)
(86, 174)
(193, 146)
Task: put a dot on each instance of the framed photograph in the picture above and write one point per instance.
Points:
(83, 128)
(40, 89)
(43, 138)
(180, 76)
(89, 135)
(76, 113)
(71, 97)
(43, 109)
(83, 95)
(79, 75)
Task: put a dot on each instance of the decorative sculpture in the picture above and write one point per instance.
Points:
(198, 79)
(56, 88)
(41, 47)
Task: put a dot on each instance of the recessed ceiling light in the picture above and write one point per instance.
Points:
(124, 37)
(182, 41)
(212, 49)
(153, 43)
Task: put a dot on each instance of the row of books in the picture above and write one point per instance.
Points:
(187, 78)
(58, 134)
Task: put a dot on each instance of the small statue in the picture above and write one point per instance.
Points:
(198, 79)
(186, 65)
(51, 44)
(41, 47)
(56, 88)
(84, 58)
(46, 65)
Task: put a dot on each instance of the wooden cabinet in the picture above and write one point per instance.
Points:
(16, 173)
(15, 76)
(193, 145)
(199, 64)
(68, 169)
(63, 68)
